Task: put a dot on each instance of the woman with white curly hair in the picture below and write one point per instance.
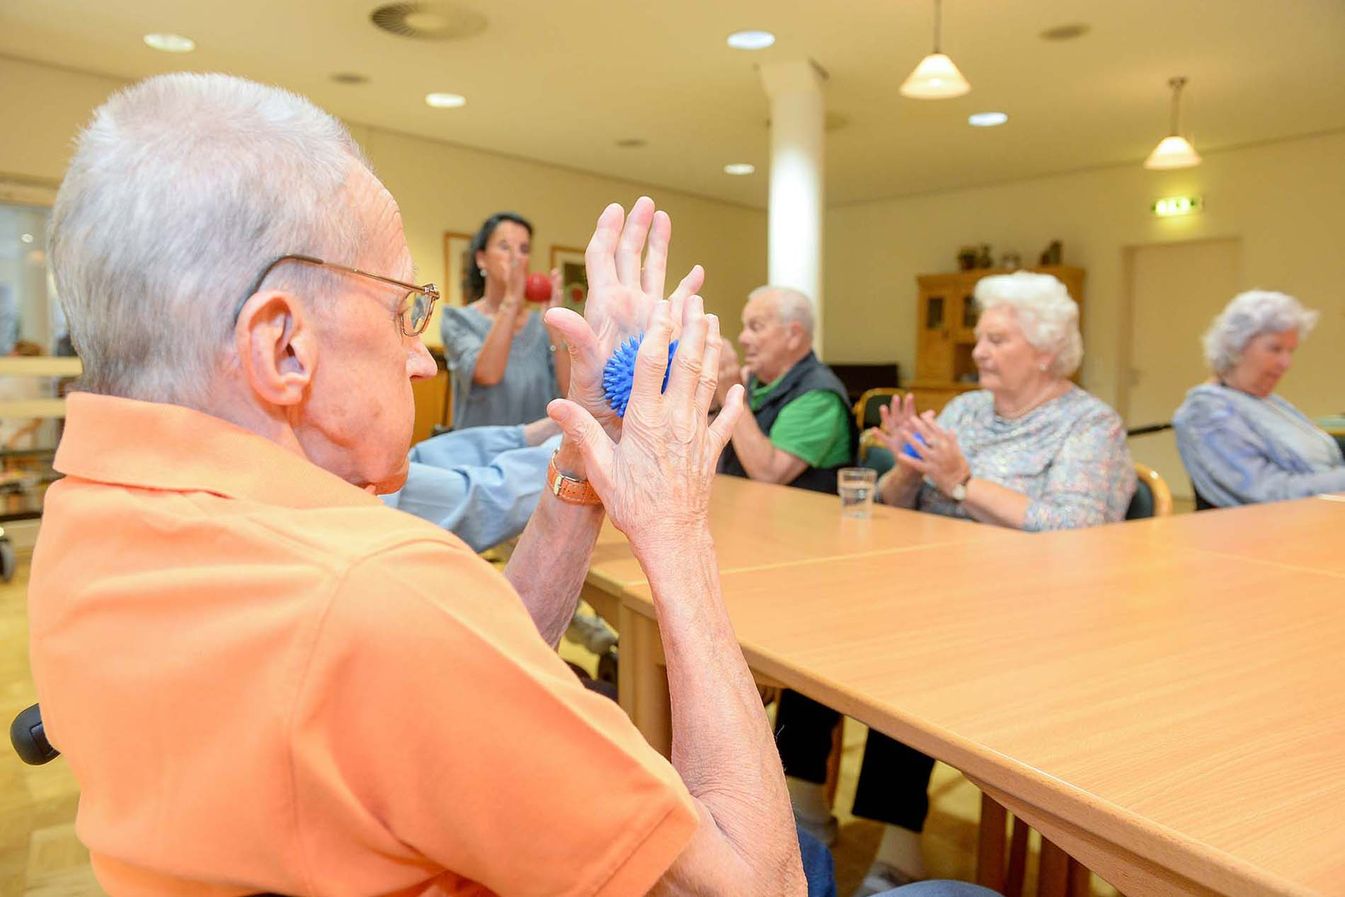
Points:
(1030, 451)
(1240, 442)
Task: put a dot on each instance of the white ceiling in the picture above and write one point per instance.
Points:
(561, 82)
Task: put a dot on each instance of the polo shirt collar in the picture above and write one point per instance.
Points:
(155, 445)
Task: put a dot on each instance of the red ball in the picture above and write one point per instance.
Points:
(538, 288)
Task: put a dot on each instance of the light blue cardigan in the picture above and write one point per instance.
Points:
(1235, 456)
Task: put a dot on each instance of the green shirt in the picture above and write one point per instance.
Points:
(814, 427)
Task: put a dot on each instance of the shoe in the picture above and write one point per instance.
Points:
(882, 877)
(823, 830)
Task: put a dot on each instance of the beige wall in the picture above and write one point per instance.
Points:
(440, 187)
(1285, 201)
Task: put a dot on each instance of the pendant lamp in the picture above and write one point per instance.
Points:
(1174, 151)
(935, 78)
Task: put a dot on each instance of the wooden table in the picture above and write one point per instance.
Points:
(757, 527)
(1160, 698)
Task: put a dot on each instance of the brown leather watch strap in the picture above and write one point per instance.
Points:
(569, 489)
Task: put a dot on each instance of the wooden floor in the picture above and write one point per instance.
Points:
(41, 857)
(39, 853)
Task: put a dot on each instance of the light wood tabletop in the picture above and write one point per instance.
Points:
(759, 525)
(1156, 696)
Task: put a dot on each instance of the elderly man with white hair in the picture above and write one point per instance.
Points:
(799, 430)
(1240, 442)
(1031, 451)
(265, 680)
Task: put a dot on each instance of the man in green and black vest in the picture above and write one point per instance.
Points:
(800, 431)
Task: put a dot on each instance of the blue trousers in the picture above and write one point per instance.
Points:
(820, 872)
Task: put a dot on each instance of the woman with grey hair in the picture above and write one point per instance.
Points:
(1031, 451)
(1240, 442)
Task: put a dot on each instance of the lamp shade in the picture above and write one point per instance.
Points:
(1173, 152)
(935, 78)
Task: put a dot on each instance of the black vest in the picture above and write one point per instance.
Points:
(808, 375)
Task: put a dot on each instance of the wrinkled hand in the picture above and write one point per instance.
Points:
(729, 371)
(655, 482)
(893, 418)
(941, 460)
(621, 297)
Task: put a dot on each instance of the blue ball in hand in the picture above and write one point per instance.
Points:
(618, 375)
(910, 451)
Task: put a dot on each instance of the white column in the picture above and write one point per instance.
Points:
(798, 118)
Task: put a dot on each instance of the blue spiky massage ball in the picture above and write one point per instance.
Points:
(618, 375)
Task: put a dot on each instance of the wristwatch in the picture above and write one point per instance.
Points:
(959, 493)
(570, 489)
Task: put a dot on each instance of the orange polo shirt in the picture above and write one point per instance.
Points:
(265, 680)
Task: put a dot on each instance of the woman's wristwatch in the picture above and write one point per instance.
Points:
(959, 492)
(570, 489)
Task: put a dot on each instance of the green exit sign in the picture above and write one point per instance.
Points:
(1176, 206)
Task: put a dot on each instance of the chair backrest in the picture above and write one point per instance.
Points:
(874, 455)
(1152, 496)
(866, 409)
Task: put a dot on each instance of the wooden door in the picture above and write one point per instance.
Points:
(1176, 289)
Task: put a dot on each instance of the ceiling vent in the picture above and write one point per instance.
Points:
(428, 20)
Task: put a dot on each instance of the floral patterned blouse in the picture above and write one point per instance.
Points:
(1068, 456)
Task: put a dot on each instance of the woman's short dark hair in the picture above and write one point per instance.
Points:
(475, 279)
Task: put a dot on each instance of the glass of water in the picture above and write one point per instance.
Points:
(856, 486)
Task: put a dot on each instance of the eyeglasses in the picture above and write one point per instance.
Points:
(414, 312)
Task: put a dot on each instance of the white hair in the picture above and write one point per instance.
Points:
(182, 189)
(1043, 308)
(1249, 315)
(791, 306)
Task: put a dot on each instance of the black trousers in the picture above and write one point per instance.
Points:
(893, 779)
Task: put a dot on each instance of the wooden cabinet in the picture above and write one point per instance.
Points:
(946, 330)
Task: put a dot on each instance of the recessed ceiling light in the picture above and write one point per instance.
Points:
(445, 100)
(1065, 32)
(170, 43)
(739, 168)
(26, 238)
(987, 119)
(751, 40)
(350, 78)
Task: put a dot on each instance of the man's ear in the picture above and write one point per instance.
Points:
(277, 347)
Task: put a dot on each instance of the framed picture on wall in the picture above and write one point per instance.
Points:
(457, 262)
(573, 275)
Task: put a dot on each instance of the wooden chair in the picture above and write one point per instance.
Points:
(873, 454)
(1152, 496)
(866, 409)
